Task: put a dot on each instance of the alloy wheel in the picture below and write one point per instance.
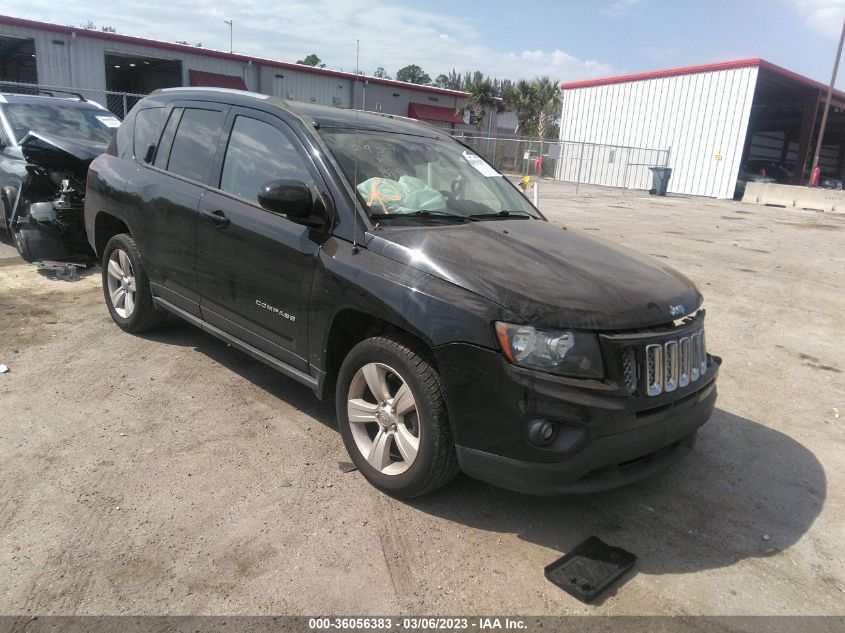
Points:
(383, 418)
(121, 281)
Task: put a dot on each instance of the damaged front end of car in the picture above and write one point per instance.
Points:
(47, 219)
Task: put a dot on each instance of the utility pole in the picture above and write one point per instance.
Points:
(229, 22)
(827, 103)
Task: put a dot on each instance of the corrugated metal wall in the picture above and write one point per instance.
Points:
(324, 90)
(701, 118)
(78, 62)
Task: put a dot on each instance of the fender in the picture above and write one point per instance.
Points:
(432, 309)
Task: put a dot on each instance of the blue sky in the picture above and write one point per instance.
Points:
(567, 40)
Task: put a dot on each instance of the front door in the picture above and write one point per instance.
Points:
(254, 266)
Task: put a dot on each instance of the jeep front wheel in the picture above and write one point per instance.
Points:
(392, 416)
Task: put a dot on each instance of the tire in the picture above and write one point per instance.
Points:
(140, 314)
(18, 237)
(401, 440)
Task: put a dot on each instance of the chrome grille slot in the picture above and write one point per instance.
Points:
(683, 379)
(670, 366)
(654, 369)
(695, 348)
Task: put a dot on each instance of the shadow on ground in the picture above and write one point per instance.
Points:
(746, 491)
(183, 334)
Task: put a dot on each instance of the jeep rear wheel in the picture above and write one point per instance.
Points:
(126, 287)
(392, 417)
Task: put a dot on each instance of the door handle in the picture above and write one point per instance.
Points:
(216, 217)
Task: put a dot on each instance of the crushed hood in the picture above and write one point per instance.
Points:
(59, 152)
(548, 275)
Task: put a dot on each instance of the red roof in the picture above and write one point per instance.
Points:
(207, 52)
(703, 68)
(213, 80)
(433, 113)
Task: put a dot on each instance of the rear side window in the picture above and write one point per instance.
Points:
(146, 124)
(257, 153)
(195, 143)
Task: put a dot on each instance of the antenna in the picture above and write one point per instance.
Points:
(355, 150)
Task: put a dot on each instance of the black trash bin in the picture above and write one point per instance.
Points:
(660, 180)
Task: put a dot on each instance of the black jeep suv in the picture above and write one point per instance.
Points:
(378, 260)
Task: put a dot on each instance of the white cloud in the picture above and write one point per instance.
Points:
(391, 36)
(619, 7)
(823, 16)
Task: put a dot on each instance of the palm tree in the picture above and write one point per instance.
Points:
(548, 99)
(520, 100)
(481, 97)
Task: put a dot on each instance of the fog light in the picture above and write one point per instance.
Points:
(541, 432)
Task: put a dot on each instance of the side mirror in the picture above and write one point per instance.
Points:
(289, 197)
(150, 153)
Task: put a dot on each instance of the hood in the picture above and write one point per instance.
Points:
(58, 152)
(547, 274)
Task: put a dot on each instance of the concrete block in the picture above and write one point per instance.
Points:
(830, 200)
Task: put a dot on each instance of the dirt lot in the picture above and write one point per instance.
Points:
(169, 474)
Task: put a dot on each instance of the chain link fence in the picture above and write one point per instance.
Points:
(119, 103)
(608, 165)
(570, 161)
(514, 155)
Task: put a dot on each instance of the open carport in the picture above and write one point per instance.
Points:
(785, 121)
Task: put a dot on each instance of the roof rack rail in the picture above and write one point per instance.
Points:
(19, 89)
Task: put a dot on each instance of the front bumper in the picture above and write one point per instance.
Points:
(607, 438)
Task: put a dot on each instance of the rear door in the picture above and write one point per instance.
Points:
(168, 192)
(254, 266)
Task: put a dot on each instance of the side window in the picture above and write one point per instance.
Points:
(258, 152)
(146, 125)
(195, 143)
(166, 140)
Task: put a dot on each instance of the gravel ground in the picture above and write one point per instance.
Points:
(170, 474)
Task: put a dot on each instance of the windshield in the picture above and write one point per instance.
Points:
(84, 124)
(409, 179)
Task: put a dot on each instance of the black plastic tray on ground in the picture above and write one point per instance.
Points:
(590, 568)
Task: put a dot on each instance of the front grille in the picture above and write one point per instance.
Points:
(666, 365)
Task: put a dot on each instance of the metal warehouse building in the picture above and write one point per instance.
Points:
(107, 66)
(705, 122)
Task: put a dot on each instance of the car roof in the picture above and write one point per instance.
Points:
(318, 115)
(71, 102)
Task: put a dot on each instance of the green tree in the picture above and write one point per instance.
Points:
(548, 100)
(413, 74)
(381, 73)
(481, 98)
(89, 24)
(453, 81)
(311, 60)
(441, 81)
(522, 102)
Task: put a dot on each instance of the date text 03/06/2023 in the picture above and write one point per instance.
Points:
(421, 623)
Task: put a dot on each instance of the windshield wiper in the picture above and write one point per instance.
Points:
(424, 214)
(504, 215)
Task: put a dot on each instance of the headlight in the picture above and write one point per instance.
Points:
(559, 352)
